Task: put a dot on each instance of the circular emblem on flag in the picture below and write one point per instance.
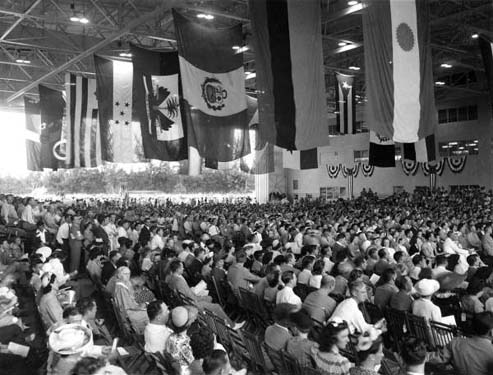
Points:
(405, 36)
(60, 149)
(214, 94)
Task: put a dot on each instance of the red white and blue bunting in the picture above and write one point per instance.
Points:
(367, 170)
(457, 163)
(409, 167)
(433, 167)
(333, 170)
(346, 171)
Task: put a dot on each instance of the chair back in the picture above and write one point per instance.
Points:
(419, 327)
(123, 323)
(254, 347)
(276, 359)
(390, 367)
(442, 334)
(169, 296)
(396, 326)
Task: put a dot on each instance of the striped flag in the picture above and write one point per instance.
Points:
(382, 151)
(213, 82)
(345, 104)
(292, 107)
(114, 81)
(422, 151)
(33, 131)
(398, 67)
(83, 131)
(300, 160)
(486, 47)
(51, 108)
(158, 104)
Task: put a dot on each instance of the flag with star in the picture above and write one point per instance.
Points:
(399, 70)
(83, 131)
(114, 92)
(345, 103)
(157, 102)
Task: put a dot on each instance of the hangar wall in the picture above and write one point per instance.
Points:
(478, 169)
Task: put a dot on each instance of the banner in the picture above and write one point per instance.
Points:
(158, 104)
(292, 106)
(486, 47)
(83, 131)
(33, 132)
(300, 160)
(213, 82)
(52, 108)
(398, 69)
(345, 104)
(114, 92)
(382, 151)
(422, 151)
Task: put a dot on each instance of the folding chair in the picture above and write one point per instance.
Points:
(185, 300)
(276, 359)
(390, 367)
(419, 327)
(254, 346)
(396, 326)
(292, 365)
(166, 364)
(123, 323)
(442, 334)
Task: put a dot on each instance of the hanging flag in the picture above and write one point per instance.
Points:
(398, 67)
(486, 47)
(33, 130)
(51, 108)
(114, 81)
(299, 160)
(213, 82)
(291, 87)
(345, 104)
(83, 131)
(422, 151)
(158, 104)
(382, 151)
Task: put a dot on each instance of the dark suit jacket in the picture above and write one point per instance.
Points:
(144, 236)
(107, 271)
(195, 271)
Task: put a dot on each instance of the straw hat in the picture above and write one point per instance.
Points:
(70, 339)
(427, 287)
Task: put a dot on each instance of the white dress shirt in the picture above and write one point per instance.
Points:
(155, 336)
(348, 310)
(287, 295)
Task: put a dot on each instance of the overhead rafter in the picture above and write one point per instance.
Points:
(155, 13)
(20, 19)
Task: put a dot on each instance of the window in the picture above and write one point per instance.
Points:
(360, 156)
(360, 127)
(295, 184)
(453, 148)
(309, 196)
(469, 113)
(333, 192)
(333, 130)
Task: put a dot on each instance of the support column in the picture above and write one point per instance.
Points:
(262, 188)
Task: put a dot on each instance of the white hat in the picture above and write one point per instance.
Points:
(70, 339)
(45, 252)
(427, 287)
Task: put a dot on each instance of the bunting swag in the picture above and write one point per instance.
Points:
(33, 130)
(51, 108)
(398, 63)
(367, 170)
(457, 164)
(83, 131)
(114, 92)
(382, 151)
(409, 167)
(345, 104)
(436, 168)
(422, 151)
(486, 47)
(292, 106)
(351, 171)
(333, 170)
(158, 104)
(213, 82)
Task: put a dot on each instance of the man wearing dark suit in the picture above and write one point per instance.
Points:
(318, 304)
(339, 249)
(195, 267)
(382, 263)
(145, 233)
(109, 267)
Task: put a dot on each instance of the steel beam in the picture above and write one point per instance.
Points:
(136, 22)
(20, 19)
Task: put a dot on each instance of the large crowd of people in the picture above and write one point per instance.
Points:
(313, 263)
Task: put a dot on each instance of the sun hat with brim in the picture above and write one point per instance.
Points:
(179, 316)
(70, 339)
(44, 252)
(427, 287)
(366, 339)
(451, 281)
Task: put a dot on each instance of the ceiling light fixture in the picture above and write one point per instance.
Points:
(125, 54)
(74, 18)
(22, 61)
(439, 83)
(250, 75)
(354, 67)
(205, 16)
(342, 44)
(446, 66)
(83, 20)
(352, 2)
(475, 36)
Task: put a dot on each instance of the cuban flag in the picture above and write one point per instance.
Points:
(399, 75)
(486, 47)
(213, 81)
(345, 103)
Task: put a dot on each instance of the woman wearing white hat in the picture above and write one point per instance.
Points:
(423, 305)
